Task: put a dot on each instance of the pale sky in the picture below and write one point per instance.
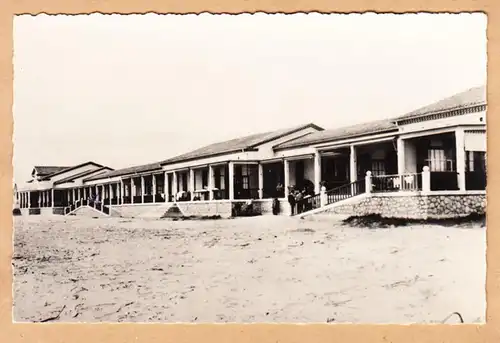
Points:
(127, 90)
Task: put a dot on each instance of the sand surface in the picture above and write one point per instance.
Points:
(261, 269)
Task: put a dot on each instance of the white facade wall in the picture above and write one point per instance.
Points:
(266, 150)
(74, 172)
(478, 118)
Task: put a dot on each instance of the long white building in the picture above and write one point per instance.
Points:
(428, 163)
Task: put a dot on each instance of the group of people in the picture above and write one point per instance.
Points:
(298, 200)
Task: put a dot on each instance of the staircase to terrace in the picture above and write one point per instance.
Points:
(89, 203)
(409, 182)
(332, 196)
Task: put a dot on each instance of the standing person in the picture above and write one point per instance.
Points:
(307, 202)
(291, 200)
(299, 202)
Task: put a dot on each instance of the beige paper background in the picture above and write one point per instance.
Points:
(261, 333)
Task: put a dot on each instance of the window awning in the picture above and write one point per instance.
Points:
(475, 141)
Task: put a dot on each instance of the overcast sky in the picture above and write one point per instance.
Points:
(127, 90)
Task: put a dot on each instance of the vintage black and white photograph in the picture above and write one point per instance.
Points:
(252, 168)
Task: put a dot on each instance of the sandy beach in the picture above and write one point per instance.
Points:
(260, 269)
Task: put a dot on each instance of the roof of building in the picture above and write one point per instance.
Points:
(238, 144)
(331, 135)
(68, 169)
(469, 98)
(82, 174)
(48, 170)
(126, 171)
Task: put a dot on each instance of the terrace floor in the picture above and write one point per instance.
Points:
(260, 269)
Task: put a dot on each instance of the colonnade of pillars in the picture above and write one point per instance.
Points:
(135, 190)
(29, 199)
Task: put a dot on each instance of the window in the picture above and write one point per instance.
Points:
(245, 177)
(160, 180)
(438, 162)
(219, 178)
(245, 182)
(148, 187)
(204, 178)
(475, 161)
(378, 168)
(184, 181)
(469, 161)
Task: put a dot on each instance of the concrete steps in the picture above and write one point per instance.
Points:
(88, 211)
(157, 212)
(323, 211)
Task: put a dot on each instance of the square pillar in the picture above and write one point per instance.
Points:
(122, 191)
(29, 199)
(353, 165)
(39, 199)
(286, 166)
(426, 180)
(191, 181)
(317, 172)
(132, 190)
(111, 193)
(143, 189)
(401, 156)
(261, 181)
(231, 180)
(174, 185)
(165, 186)
(154, 187)
(210, 182)
(117, 193)
(460, 153)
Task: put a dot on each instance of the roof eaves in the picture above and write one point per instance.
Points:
(174, 160)
(336, 139)
(104, 176)
(70, 169)
(85, 173)
(431, 113)
(289, 132)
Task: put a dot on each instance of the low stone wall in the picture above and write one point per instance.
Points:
(188, 208)
(416, 206)
(58, 210)
(25, 211)
(265, 206)
(205, 208)
(134, 211)
(87, 211)
(46, 211)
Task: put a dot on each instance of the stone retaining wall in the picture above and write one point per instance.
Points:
(58, 210)
(205, 208)
(133, 211)
(265, 206)
(87, 211)
(415, 206)
(188, 208)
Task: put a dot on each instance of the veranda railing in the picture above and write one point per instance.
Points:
(394, 183)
